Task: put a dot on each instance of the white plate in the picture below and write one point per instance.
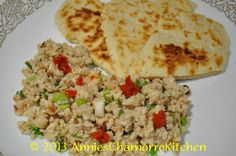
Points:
(213, 98)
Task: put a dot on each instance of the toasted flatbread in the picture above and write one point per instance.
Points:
(147, 38)
(128, 24)
(80, 22)
(187, 46)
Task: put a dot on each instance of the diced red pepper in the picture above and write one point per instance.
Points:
(80, 81)
(65, 68)
(129, 88)
(159, 120)
(62, 63)
(59, 59)
(71, 93)
(101, 136)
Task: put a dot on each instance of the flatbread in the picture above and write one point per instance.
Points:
(128, 24)
(187, 46)
(146, 38)
(80, 22)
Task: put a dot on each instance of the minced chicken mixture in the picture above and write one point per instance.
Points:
(66, 100)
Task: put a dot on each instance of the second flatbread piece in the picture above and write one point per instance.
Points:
(187, 46)
(128, 24)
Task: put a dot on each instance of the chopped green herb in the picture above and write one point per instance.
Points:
(81, 101)
(27, 63)
(153, 151)
(44, 94)
(35, 130)
(121, 112)
(145, 82)
(77, 135)
(32, 77)
(106, 102)
(140, 84)
(38, 102)
(151, 106)
(21, 94)
(74, 135)
(119, 102)
(57, 83)
(60, 98)
(63, 107)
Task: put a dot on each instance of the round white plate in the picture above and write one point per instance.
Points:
(213, 98)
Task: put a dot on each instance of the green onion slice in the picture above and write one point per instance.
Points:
(81, 101)
(121, 112)
(60, 98)
(32, 77)
(106, 96)
(172, 114)
(184, 123)
(63, 107)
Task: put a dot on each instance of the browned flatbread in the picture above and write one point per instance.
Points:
(80, 22)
